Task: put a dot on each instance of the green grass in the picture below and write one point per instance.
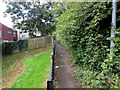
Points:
(36, 71)
(9, 61)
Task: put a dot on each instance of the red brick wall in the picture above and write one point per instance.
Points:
(5, 34)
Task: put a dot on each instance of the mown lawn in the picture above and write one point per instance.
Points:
(9, 61)
(10, 64)
(36, 71)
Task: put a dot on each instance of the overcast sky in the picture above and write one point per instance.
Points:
(4, 20)
(7, 20)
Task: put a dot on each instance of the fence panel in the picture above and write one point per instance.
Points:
(39, 42)
(22, 45)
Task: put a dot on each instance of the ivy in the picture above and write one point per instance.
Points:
(85, 29)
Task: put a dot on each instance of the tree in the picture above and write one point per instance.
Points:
(31, 16)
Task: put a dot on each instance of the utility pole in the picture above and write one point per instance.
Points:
(114, 7)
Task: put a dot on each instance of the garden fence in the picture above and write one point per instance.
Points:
(22, 45)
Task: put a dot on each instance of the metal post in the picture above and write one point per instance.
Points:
(114, 7)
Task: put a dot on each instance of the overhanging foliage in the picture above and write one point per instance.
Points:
(85, 28)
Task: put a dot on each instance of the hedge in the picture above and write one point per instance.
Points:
(9, 48)
(85, 29)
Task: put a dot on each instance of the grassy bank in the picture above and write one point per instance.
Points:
(36, 71)
(9, 61)
(12, 63)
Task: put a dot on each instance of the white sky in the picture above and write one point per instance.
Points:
(7, 20)
(4, 20)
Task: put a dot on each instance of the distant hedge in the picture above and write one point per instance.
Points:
(9, 48)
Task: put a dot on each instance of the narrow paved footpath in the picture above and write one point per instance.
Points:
(63, 69)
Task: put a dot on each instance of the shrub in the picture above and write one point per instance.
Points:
(86, 29)
(23, 45)
(9, 48)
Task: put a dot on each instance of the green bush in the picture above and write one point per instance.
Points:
(23, 45)
(85, 29)
(90, 79)
(9, 48)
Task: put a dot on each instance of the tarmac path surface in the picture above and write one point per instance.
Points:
(63, 69)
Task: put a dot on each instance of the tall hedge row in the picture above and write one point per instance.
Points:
(9, 48)
(85, 29)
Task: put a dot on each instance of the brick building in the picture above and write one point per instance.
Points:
(7, 34)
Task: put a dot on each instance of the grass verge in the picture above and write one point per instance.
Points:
(12, 63)
(36, 71)
(9, 61)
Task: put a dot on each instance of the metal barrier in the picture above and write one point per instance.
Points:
(50, 83)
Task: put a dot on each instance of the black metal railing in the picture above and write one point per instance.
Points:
(50, 83)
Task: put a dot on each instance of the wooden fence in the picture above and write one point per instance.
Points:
(22, 45)
(39, 42)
